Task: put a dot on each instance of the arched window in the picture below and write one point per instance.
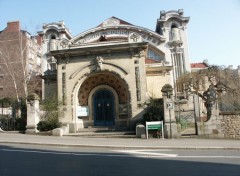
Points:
(53, 37)
(154, 55)
(174, 32)
(52, 42)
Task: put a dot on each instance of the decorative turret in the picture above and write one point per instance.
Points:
(53, 34)
(172, 25)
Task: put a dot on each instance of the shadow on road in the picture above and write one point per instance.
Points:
(35, 162)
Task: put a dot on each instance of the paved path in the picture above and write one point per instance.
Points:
(184, 143)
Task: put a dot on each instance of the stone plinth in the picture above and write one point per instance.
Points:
(32, 114)
(140, 130)
(168, 129)
(57, 132)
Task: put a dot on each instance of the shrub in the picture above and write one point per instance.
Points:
(154, 111)
(47, 126)
(50, 116)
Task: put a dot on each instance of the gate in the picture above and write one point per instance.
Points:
(188, 123)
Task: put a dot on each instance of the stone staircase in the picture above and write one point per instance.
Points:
(103, 132)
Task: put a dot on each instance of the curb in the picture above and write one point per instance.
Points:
(122, 147)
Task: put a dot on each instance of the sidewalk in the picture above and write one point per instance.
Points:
(124, 143)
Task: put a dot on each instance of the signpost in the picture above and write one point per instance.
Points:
(156, 125)
(169, 107)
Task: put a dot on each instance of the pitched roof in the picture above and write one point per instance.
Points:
(121, 22)
(199, 65)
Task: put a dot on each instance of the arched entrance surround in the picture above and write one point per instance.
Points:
(98, 81)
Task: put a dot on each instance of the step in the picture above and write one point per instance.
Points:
(104, 134)
(102, 129)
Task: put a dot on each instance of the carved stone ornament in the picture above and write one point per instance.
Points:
(142, 53)
(53, 59)
(99, 63)
(111, 22)
(64, 43)
(134, 37)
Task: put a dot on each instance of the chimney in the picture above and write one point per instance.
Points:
(39, 40)
(13, 26)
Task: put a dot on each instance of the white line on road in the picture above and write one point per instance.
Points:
(128, 153)
(64, 153)
(153, 154)
(141, 153)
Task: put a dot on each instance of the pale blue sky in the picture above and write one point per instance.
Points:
(213, 30)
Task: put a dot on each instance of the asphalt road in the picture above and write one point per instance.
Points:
(27, 160)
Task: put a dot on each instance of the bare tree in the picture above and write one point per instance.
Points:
(13, 55)
(215, 84)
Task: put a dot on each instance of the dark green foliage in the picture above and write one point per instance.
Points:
(18, 119)
(50, 116)
(20, 124)
(154, 111)
(6, 102)
(47, 125)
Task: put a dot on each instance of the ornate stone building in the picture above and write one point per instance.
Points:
(103, 74)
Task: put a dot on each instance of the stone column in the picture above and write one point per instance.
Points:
(32, 113)
(170, 126)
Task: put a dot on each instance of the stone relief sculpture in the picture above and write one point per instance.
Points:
(210, 97)
(64, 43)
(138, 86)
(142, 53)
(99, 63)
(134, 37)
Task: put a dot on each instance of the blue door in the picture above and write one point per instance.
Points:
(103, 101)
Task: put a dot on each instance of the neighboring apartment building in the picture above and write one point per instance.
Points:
(20, 61)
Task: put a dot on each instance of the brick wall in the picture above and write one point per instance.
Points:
(13, 26)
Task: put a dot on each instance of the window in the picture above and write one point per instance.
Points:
(53, 66)
(38, 61)
(31, 56)
(53, 37)
(30, 66)
(174, 34)
(153, 55)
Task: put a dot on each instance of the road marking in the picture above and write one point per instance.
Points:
(128, 153)
(65, 153)
(153, 154)
(147, 153)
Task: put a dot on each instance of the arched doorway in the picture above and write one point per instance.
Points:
(103, 107)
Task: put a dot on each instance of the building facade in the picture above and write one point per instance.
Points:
(20, 62)
(104, 74)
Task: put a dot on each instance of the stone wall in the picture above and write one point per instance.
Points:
(230, 125)
(220, 126)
